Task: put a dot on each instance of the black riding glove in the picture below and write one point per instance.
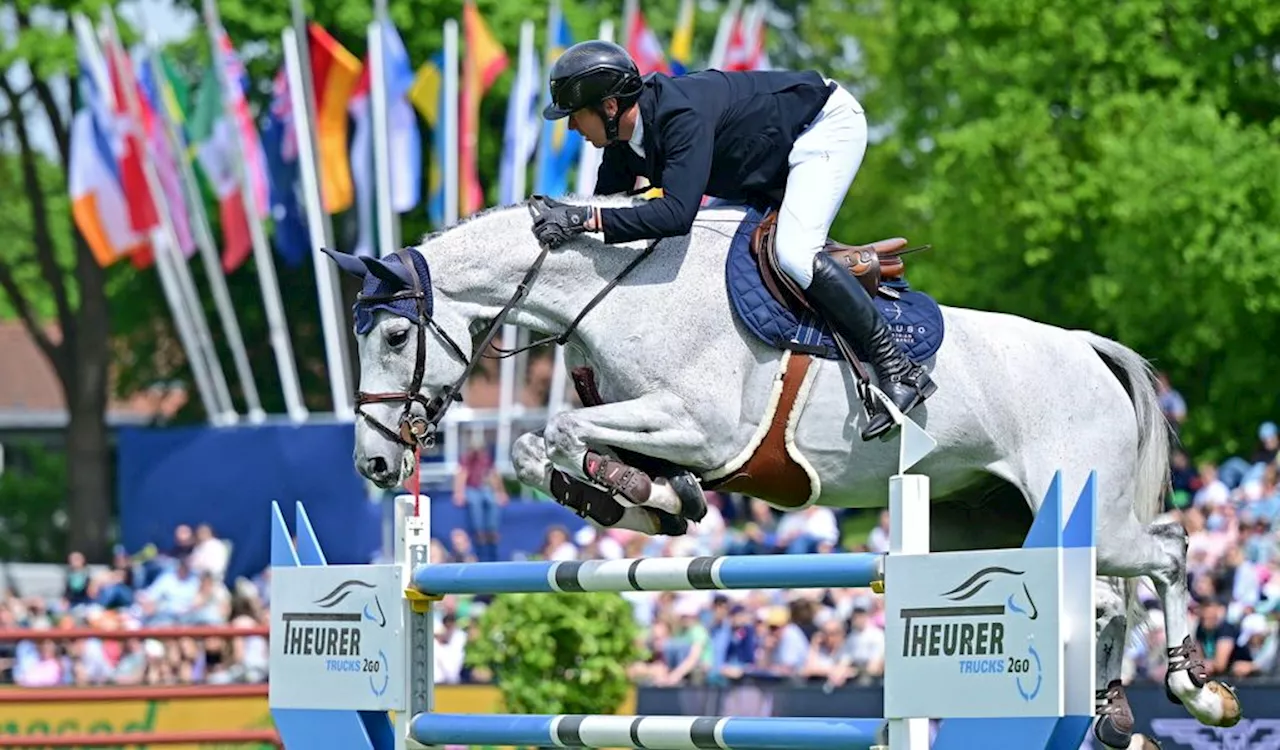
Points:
(559, 223)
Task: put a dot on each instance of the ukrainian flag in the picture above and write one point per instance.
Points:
(682, 40)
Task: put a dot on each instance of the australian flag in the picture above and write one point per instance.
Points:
(280, 141)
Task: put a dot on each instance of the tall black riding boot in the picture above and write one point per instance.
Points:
(848, 309)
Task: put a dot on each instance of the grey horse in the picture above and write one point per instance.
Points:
(681, 381)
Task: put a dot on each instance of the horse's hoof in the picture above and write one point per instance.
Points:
(693, 504)
(670, 525)
(1231, 711)
(1111, 734)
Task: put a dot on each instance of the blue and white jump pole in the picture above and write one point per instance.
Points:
(350, 643)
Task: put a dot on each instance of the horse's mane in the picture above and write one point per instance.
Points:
(617, 200)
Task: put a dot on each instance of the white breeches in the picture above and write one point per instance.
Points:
(824, 160)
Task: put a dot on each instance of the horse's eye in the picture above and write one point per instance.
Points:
(398, 339)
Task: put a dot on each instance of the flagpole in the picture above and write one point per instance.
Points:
(450, 117)
(182, 298)
(209, 253)
(388, 227)
(333, 320)
(509, 367)
(449, 177)
(721, 46)
(277, 326)
(589, 157)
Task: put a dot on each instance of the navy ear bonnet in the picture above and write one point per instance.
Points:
(389, 279)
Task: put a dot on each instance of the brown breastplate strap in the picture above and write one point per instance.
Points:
(770, 474)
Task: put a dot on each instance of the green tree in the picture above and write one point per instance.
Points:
(49, 278)
(1102, 166)
(558, 653)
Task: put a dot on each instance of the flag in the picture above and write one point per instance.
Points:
(523, 121)
(98, 204)
(140, 204)
(212, 136)
(427, 96)
(404, 142)
(745, 50)
(682, 40)
(254, 161)
(484, 60)
(163, 158)
(559, 147)
(334, 74)
(280, 142)
(361, 109)
(643, 44)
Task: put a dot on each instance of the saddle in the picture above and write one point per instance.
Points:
(870, 264)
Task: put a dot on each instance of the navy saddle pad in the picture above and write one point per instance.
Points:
(914, 320)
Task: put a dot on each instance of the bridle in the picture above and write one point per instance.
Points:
(416, 431)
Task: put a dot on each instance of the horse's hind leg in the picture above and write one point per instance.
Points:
(1129, 549)
(1114, 727)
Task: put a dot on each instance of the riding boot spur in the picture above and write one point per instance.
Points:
(849, 310)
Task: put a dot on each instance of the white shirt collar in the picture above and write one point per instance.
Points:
(637, 137)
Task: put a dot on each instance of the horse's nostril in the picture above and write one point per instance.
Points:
(376, 465)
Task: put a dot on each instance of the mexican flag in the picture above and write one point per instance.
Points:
(212, 136)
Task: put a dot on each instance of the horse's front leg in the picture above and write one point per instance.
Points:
(529, 457)
(655, 426)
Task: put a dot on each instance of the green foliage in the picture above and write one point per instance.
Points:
(1102, 166)
(558, 653)
(33, 491)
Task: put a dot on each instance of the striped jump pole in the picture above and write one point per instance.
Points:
(999, 644)
(696, 732)
(653, 574)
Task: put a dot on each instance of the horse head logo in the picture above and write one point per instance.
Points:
(1017, 599)
(372, 609)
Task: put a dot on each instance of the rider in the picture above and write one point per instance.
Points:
(730, 135)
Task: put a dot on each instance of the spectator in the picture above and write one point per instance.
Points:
(878, 539)
(1218, 638)
(1268, 444)
(78, 576)
(556, 545)
(1257, 648)
(449, 651)
(45, 668)
(1213, 492)
(172, 597)
(740, 648)
(209, 554)
(1171, 402)
(862, 658)
(825, 646)
(813, 529)
(479, 487)
(784, 649)
(688, 651)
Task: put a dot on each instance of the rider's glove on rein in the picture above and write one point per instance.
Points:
(556, 226)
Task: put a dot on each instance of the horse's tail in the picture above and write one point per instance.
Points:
(1153, 479)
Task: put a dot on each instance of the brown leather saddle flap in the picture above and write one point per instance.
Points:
(870, 264)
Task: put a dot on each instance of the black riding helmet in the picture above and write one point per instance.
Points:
(588, 73)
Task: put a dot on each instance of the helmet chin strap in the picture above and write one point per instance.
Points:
(610, 123)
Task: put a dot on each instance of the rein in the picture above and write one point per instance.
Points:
(419, 431)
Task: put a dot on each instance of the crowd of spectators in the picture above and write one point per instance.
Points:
(831, 637)
(181, 586)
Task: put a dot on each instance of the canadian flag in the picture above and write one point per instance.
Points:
(643, 44)
(745, 50)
